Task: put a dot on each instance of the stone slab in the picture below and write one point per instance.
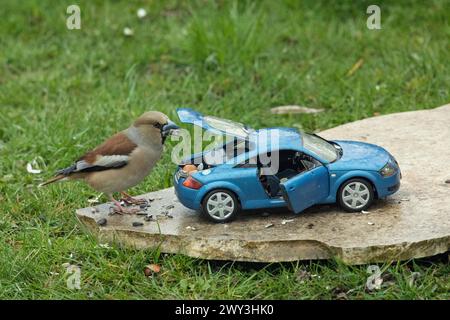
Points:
(413, 223)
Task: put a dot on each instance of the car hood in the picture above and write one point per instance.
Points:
(214, 124)
(360, 156)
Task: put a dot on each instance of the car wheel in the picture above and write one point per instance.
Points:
(355, 195)
(220, 206)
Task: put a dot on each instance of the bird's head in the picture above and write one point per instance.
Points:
(154, 126)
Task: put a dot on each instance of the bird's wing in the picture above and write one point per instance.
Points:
(112, 154)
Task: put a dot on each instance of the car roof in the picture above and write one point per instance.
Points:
(272, 139)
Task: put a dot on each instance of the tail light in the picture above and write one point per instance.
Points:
(192, 183)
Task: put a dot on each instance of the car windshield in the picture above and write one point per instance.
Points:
(320, 147)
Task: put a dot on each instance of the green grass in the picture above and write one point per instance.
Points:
(62, 92)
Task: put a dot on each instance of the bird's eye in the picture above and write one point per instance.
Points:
(158, 125)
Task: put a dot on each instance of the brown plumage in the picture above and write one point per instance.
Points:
(123, 160)
(117, 144)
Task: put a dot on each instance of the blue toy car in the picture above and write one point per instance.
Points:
(310, 170)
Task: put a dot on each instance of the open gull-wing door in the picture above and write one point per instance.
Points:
(214, 124)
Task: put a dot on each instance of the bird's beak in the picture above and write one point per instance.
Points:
(168, 128)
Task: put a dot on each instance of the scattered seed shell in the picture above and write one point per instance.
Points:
(287, 221)
(102, 222)
(93, 200)
(30, 167)
(141, 13)
(191, 228)
(128, 32)
(268, 225)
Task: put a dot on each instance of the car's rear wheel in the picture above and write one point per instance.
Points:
(356, 195)
(220, 205)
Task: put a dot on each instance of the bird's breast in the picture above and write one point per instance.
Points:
(142, 160)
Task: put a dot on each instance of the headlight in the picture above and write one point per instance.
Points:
(389, 169)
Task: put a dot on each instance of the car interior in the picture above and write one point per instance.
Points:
(291, 163)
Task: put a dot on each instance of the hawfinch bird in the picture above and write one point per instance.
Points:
(122, 161)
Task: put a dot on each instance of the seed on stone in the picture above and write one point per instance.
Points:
(447, 181)
(287, 221)
(102, 222)
(169, 216)
(93, 210)
(151, 199)
(141, 213)
(137, 224)
(170, 206)
(310, 225)
(143, 206)
(148, 218)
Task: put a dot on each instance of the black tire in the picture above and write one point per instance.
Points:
(228, 212)
(358, 197)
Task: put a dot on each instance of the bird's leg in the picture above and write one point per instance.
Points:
(130, 200)
(119, 209)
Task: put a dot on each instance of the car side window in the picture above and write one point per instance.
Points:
(249, 163)
(246, 165)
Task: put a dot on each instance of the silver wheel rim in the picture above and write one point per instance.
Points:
(355, 195)
(220, 205)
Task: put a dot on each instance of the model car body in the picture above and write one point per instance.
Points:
(310, 170)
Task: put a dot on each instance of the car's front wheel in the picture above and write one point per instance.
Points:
(220, 205)
(355, 195)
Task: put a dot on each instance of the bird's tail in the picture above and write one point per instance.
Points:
(54, 179)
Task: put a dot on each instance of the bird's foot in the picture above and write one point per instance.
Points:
(130, 200)
(121, 210)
